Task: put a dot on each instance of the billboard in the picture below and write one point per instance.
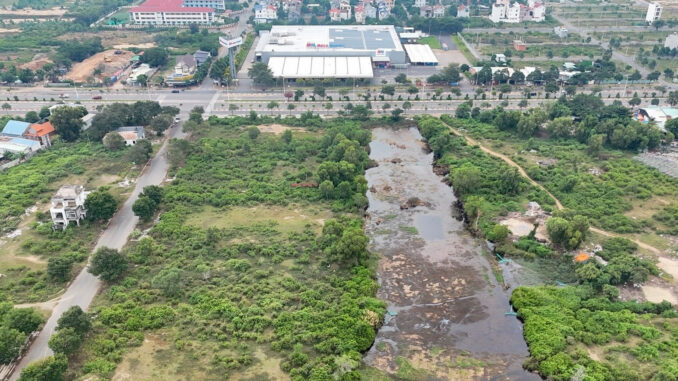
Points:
(230, 43)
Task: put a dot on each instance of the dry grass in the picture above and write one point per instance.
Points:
(285, 219)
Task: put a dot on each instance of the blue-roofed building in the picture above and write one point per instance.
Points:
(15, 128)
(33, 144)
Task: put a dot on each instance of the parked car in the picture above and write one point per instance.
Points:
(175, 91)
(96, 96)
(62, 95)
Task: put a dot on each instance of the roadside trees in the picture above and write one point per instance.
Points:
(261, 75)
(113, 141)
(100, 205)
(67, 123)
(108, 264)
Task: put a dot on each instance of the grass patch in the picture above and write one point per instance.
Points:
(409, 229)
(408, 372)
(431, 41)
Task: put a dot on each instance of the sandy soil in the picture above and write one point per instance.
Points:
(449, 57)
(140, 46)
(35, 12)
(669, 266)
(657, 294)
(274, 128)
(523, 226)
(15, 30)
(47, 306)
(38, 62)
(83, 70)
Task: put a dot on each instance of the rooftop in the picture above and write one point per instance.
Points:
(15, 127)
(42, 129)
(318, 38)
(68, 191)
(321, 67)
(168, 6)
(420, 54)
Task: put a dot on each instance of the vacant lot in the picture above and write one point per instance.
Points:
(82, 71)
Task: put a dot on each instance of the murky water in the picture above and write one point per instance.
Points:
(446, 310)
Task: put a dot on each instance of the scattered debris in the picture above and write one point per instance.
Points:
(396, 161)
(595, 171)
(582, 257)
(413, 202)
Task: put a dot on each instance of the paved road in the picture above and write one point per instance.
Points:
(85, 286)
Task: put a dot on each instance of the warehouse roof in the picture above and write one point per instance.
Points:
(321, 67)
(15, 128)
(318, 38)
(168, 6)
(420, 54)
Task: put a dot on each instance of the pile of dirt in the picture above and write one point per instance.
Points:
(38, 62)
(107, 61)
(413, 202)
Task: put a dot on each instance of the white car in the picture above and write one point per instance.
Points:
(177, 119)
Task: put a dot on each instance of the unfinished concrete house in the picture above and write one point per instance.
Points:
(68, 205)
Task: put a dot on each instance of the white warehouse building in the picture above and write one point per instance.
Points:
(329, 51)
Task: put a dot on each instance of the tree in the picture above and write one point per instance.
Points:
(298, 94)
(67, 122)
(350, 247)
(673, 98)
(595, 144)
(24, 320)
(395, 114)
(160, 123)
(44, 112)
(671, 126)
(76, 319)
(261, 75)
(463, 111)
(114, 141)
(484, 76)
(155, 57)
(100, 205)
(59, 268)
(326, 188)
(65, 341)
(407, 105)
(319, 90)
(291, 107)
(51, 368)
(561, 127)
(509, 181)
(142, 79)
(635, 101)
(141, 151)
(401, 78)
(658, 24)
(499, 233)
(144, 208)
(11, 341)
(32, 117)
(466, 178)
(108, 264)
(272, 104)
(253, 132)
(154, 192)
(388, 90)
(232, 108)
(412, 90)
(168, 281)
(286, 136)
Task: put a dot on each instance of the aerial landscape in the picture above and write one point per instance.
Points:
(287, 190)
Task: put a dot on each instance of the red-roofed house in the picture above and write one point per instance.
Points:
(335, 15)
(41, 132)
(170, 12)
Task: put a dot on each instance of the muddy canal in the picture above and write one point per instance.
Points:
(446, 310)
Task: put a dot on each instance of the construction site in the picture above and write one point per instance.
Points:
(108, 64)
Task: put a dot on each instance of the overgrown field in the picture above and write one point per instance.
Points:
(27, 277)
(245, 276)
(576, 333)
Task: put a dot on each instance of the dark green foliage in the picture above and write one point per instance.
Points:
(261, 75)
(75, 318)
(78, 50)
(100, 205)
(140, 152)
(623, 265)
(144, 208)
(231, 290)
(24, 320)
(560, 321)
(59, 268)
(567, 229)
(11, 341)
(51, 368)
(108, 264)
(155, 57)
(669, 217)
(449, 74)
(67, 123)
(15, 325)
(65, 341)
(117, 115)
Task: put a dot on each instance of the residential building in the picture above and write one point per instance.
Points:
(68, 205)
(41, 132)
(131, 134)
(294, 12)
(500, 58)
(505, 11)
(438, 11)
(287, 4)
(170, 12)
(463, 11)
(426, 11)
(671, 41)
(560, 31)
(201, 56)
(345, 10)
(654, 12)
(359, 11)
(15, 128)
(519, 46)
(419, 3)
(219, 5)
(185, 65)
(335, 14)
(264, 13)
(383, 10)
(143, 69)
(370, 11)
(389, 4)
(656, 114)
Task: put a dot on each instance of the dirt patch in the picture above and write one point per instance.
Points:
(669, 266)
(85, 69)
(275, 128)
(35, 12)
(38, 62)
(45, 306)
(7, 31)
(657, 294)
(449, 57)
(140, 46)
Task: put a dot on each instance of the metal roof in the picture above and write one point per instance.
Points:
(15, 127)
(26, 142)
(321, 67)
(420, 54)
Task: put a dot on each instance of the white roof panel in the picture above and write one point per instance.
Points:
(420, 54)
(321, 67)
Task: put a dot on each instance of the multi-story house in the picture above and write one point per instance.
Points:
(68, 205)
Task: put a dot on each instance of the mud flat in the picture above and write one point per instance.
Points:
(445, 318)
